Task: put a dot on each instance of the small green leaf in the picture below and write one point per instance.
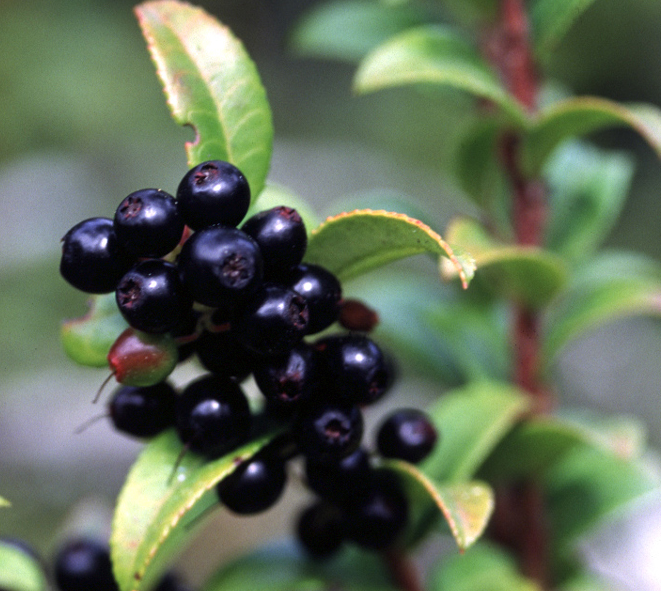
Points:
(465, 506)
(528, 274)
(284, 568)
(435, 55)
(275, 195)
(588, 188)
(483, 567)
(156, 508)
(580, 116)
(88, 339)
(371, 239)
(212, 85)
(19, 571)
(551, 19)
(349, 29)
(471, 421)
(4, 502)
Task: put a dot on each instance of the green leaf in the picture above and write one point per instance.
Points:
(528, 274)
(465, 506)
(19, 571)
(274, 195)
(283, 568)
(551, 19)
(471, 421)
(587, 487)
(585, 582)
(156, 508)
(4, 502)
(435, 55)
(349, 29)
(580, 116)
(632, 286)
(212, 85)
(588, 188)
(88, 339)
(371, 239)
(483, 567)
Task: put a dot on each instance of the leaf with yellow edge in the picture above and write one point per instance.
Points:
(352, 243)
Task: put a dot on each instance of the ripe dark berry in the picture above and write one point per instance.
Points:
(290, 378)
(213, 192)
(273, 321)
(92, 259)
(339, 480)
(407, 434)
(377, 518)
(320, 530)
(322, 292)
(223, 355)
(147, 223)
(328, 430)
(170, 582)
(219, 265)
(140, 359)
(84, 564)
(212, 415)
(151, 297)
(255, 485)
(357, 367)
(281, 236)
(143, 411)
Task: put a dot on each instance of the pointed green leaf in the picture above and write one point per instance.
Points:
(471, 421)
(551, 19)
(435, 55)
(466, 506)
(88, 339)
(370, 239)
(349, 29)
(20, 571)
(274, 195)
(156, 508)
(483, 567)
(212, 85)
(528, 274)
(587, 190)
(580, 116)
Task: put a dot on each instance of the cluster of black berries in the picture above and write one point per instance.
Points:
(242, 301)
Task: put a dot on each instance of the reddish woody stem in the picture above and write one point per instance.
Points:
(402, 571)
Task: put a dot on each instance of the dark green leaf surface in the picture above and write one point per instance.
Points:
(19, 571)
(465, 506)
(284, 568)
(156, 508)
(353, 243)
(88, 339)
(483, 567)
(580, 116)
(212, 85)
(471, 421)
(434, 55)
(587, 190)
(528, 274)
(349, 29)
(551, 19)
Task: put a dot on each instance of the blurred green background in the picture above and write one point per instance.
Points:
(83, 122)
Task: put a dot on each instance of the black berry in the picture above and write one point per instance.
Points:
(92, 259)
(321, 530)
(322, 292)
(213, 192)
(339, 480)
(147, 223)
(143, 411)
(170, 582)
(84, 564)
(407, 434)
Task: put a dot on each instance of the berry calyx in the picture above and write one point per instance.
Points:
(143, 411)
(407, 434)
(84, 564)
(322, 293)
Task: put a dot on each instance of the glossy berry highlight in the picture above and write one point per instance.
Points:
(407, 434)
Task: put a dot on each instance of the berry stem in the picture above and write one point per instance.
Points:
(402, 571)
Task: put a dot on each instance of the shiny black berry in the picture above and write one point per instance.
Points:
(321, 530)
(143, 411)
(339, 480)
(407, 434)
(328, 430)
(273, 321)
(212, 415)
(171, 582)
(84, 564)
(147, 223)
(223, 355)
(255, 485)
(151, 297)
(322, 292)
(220, 265)
(281, 235)
(92, 259)
(214, 192)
